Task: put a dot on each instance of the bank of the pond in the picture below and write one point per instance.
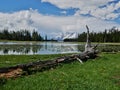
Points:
(103, 73)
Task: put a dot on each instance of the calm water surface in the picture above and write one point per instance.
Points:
(30, 48)
(18, 48)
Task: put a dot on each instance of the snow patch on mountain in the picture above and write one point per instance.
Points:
(67, 35)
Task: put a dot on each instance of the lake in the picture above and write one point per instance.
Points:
(30, 48)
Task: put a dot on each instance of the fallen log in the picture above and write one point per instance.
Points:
(29, 68)
(26, 69)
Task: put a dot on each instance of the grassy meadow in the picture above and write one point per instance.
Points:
(102, 73)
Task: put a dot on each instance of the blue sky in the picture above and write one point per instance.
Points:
(44, 8)
(53, 16)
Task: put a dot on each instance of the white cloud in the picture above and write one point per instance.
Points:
(112, 16)
(64, 4)
(89, 7)
(106, 12)
(64, 12)
(32, 19)
(117, 5)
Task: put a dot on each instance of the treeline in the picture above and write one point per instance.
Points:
(111, 35)
(22, 35)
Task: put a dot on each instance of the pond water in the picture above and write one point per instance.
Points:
(7, 48)
(30, 48)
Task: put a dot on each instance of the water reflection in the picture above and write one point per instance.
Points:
(37, 48)
(18, 49)
(7, 48)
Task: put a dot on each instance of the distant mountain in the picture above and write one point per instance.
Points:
(67, 35)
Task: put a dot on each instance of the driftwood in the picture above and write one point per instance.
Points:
(26, 69)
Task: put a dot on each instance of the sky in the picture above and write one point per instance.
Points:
(50, 17)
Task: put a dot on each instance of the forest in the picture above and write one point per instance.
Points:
(21, 35)
(108, 35)
(111, 35)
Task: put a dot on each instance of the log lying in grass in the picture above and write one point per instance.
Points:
(18, 70)
(28, 68)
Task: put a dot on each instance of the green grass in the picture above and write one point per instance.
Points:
(9, 60)
(103, 73)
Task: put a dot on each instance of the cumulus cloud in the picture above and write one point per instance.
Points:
(107, 12)
(91, 7)
(51, 25)
(16, 20)
(64, 4)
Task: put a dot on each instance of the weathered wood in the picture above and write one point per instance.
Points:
(88, 42)
(17, 70)
(83, 57)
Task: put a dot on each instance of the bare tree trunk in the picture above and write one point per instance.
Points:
(88, 46)
(88, 42)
